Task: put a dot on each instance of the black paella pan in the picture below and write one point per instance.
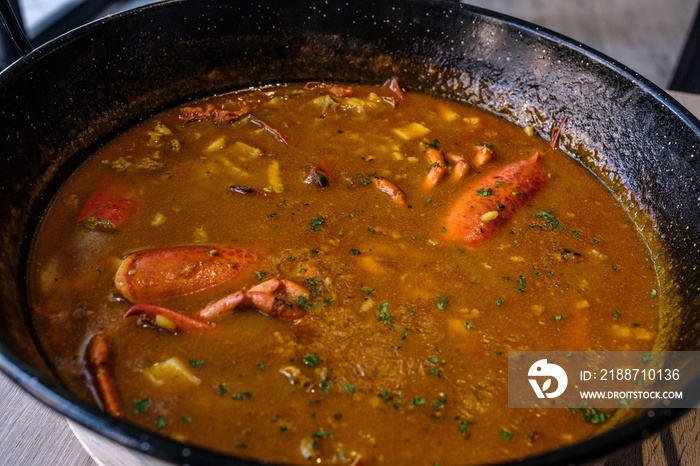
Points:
(62, 100)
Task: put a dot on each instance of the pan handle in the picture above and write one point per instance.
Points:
(14, 28)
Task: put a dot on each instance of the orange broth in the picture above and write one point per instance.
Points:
(401, 356)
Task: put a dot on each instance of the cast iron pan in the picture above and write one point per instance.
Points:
(62, 100)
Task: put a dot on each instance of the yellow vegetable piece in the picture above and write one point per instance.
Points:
(217, 145)
(273, 175)
(164, 322)
(245, 151)
(412, 131)
(170, 371)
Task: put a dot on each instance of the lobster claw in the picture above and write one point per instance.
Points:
(155, 275)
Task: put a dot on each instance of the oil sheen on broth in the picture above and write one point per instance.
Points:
(359, 320)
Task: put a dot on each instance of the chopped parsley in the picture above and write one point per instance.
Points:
(141, 405)
(442, 399)
(383, 314)
(549, 218)
(311, 360)
(316, 222)
(594, 416)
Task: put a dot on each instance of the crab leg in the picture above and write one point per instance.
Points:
(460, 168)
(262, 297)
(271, 129)
(98, 361)
(282, 285)
(389, 188)
(274, 307)
(438, 169)
(168, 319)
(226, 304)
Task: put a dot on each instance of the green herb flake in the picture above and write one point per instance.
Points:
(186, 419)
(348, 387)
(311, 360)
(222, 390)
(241, 396)
(316, 222)
(433, 144)
(383, 315)
(160, 422)
(354, 252)
(469, 326)
(594, 416)
(304, 302)
(506, 435)
(326, 385)
(418, 401)
(141, 405)
(260, 275)
(195, 363)
(616, 314)
(442, 399)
